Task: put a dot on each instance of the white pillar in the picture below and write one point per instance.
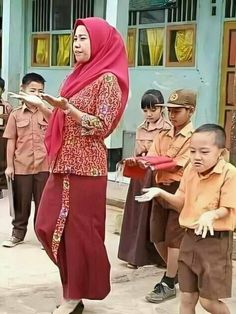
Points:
(12, 44)
(117, 13)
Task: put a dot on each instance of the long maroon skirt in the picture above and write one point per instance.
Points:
(81, 258)
(135, 246)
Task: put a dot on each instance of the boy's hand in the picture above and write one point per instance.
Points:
(149, 195)
(142, 164)
(29, 99)
(205, 223)
(4, 116)
(9, 172)
(131, 162)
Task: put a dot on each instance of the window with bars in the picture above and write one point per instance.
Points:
(52, 21)
(163, 37)
(230, 8)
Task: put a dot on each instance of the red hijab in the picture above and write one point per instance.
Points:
(107, 55)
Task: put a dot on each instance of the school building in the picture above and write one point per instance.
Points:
(171, 44)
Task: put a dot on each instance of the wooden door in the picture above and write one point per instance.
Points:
(228, 85)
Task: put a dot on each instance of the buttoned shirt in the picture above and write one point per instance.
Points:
(146, 132)
(208, 192)
(27, 126)
(176, 146)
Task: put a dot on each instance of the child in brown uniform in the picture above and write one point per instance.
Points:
(165, 231)
(27, 163)
(206, 201)
(135, 247)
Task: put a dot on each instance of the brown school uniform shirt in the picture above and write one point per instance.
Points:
(212, 191)
(7, 108)
(28, 128)
(175, 146)
(146, 132)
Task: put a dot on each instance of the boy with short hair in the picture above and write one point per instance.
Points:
(4, 114)
(206, 201)
(27, 162)
(165, 231)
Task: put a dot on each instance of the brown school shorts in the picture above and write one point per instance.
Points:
(164, 221)
(205, 265)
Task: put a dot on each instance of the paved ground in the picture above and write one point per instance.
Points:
(30, 284)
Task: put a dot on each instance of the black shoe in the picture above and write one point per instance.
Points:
(79, 308)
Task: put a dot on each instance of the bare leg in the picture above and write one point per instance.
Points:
(162, 250)
(172, 262)
(214, 306)
(188, 302)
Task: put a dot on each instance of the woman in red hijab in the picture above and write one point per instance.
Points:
(71, 216)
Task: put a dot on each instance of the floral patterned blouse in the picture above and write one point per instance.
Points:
(83, 151)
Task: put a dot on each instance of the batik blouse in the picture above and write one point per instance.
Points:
(83, 151)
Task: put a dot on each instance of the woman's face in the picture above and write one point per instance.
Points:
(81, 45)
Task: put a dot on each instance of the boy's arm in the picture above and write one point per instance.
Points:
(11, 144)
(176, 200)
(45, 111)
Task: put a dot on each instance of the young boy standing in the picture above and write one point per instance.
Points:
(206, 201)
(27, 162)
(166, 233)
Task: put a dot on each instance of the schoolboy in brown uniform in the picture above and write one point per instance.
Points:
(27, 162)
(165, 231)
(206, 201)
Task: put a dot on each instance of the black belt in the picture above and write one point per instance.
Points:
(217, 234)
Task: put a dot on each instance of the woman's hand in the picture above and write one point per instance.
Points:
(32, 100)
(57, 102)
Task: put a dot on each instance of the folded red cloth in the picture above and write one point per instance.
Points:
(155, 162)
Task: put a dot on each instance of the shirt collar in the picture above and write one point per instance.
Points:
(24, 107)
(186, 131)
(160, 124)
(218, 169)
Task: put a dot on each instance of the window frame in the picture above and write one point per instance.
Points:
(170, 28)
(150, 26)
(35, 36)
(62, 32)
(49, 33)
(133, 31)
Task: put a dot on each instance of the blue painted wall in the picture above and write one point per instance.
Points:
(204, 78)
